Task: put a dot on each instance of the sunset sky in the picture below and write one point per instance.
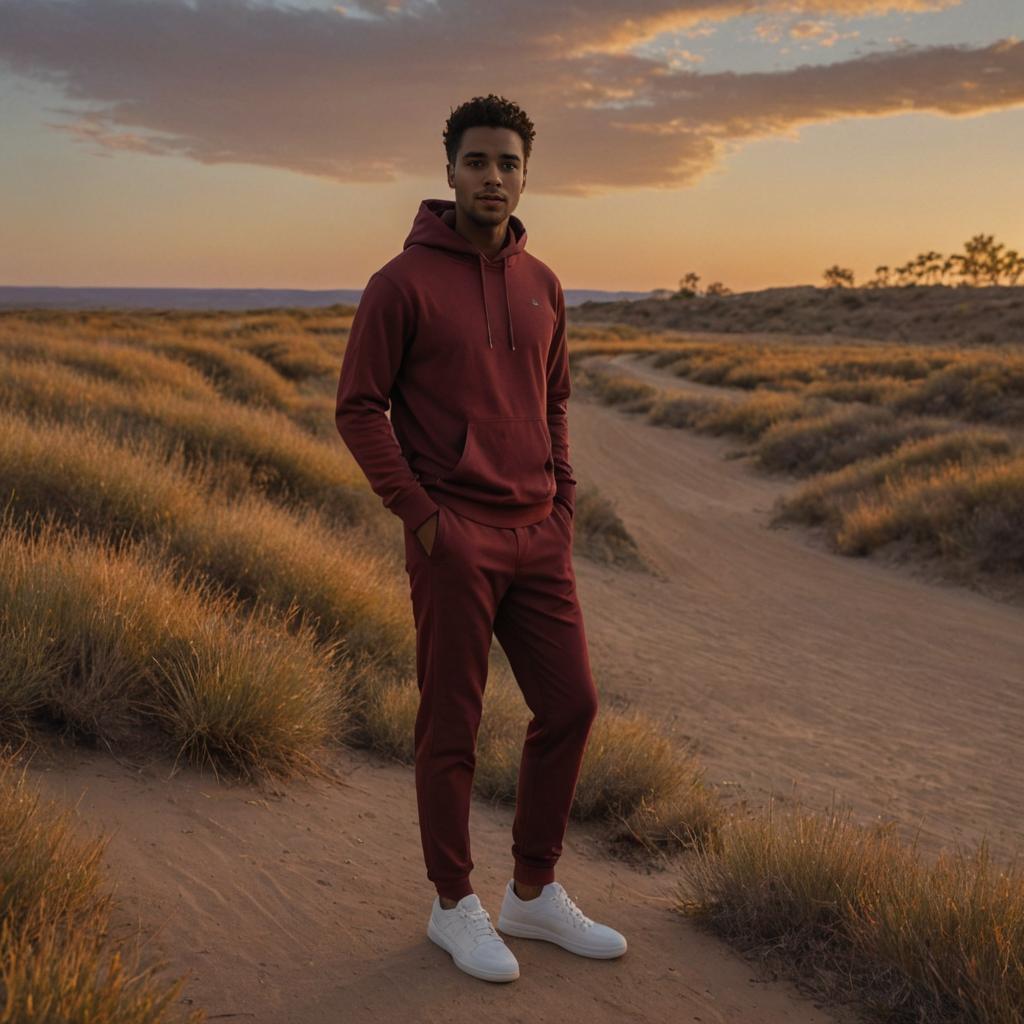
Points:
(252, 143)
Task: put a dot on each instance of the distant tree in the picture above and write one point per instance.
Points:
(717, 288)
(1013, 266)
(986, 261)
(927, 266)
(688, 283)
(978, 259)
(983, 261)
(661, 293)
(838, 277)
(905, 273)
(881, 278)
(990, 257)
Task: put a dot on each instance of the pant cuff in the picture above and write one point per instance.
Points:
(530, 875)
(454, 890)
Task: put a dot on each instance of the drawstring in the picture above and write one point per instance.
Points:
(511, 333)
(483, 288)
(508, 307)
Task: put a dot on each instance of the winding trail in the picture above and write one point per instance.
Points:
(793, 670)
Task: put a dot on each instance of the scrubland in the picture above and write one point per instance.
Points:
(192, 563)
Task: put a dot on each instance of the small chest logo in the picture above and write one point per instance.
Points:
(535, 302)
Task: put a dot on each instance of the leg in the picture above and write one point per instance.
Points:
(455, 590)
(539, 624)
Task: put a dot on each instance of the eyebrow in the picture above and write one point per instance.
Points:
(504, 156)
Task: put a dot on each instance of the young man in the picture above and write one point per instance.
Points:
(463, 335)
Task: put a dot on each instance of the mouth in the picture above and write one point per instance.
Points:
(491, 199)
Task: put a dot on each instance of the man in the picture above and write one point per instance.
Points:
(463, 334)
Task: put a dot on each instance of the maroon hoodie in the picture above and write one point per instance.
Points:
(471, 354)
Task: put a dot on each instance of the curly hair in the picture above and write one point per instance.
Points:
(489, 111)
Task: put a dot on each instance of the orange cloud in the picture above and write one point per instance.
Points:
(819, 32)
(363, 99)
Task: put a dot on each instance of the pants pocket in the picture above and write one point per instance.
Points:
(435, 548)
(507, 460)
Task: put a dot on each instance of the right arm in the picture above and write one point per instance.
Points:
(383, 326)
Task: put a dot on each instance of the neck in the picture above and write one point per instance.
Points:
(488, 238)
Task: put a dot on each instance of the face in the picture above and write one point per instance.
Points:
(489, 160)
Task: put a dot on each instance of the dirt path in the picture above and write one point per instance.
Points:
(796, 670)
(309, 906)
(640, 367)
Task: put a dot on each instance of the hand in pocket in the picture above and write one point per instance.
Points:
(565, 514)
(427, 532)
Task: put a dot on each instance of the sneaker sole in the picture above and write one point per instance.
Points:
(529, 931)
(477, 972)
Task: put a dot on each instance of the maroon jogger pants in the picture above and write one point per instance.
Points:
(516, 584)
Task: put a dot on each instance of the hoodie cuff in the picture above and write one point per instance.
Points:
(566, 493)
(415, 508)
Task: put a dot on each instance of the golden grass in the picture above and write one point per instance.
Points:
(827, 497)
(249, 546)
(237, 374)
(600, 534)
(616, 388)
(294, 357)
(121, 364)
(282, 459)
(57, 960)
(297, 375)
(977, 384)
(814, 444)
(103, 641)
(753, 416)
(862, 918)
(959, 511)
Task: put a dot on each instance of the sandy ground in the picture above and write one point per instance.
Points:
(788, 667)
(307, 903)
(794, 670)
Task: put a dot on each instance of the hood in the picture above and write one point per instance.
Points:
(434, 225)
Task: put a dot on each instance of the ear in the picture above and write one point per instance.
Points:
(451, 176)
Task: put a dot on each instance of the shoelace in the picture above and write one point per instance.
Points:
(479, 922)
(576, 916)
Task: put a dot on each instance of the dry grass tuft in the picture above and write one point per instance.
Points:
(57, 959)
(859, 917)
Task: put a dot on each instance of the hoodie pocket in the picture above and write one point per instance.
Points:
(505, 461)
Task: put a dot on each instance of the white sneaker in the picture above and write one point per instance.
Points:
(555, 917)
(466, 932)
